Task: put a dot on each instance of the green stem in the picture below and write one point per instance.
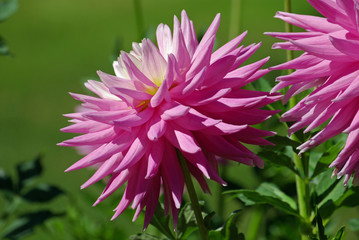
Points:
(193, 196)
(235, 18)
(255, 224)
(139, 19)
(302, 182)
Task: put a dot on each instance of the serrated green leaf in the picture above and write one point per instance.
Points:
(5, 181)
(264, 196)
(7, 8)
(28, 171)
(42, 193)
(340, 234)
(25, 224)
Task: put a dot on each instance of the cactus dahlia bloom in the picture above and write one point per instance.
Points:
(178, 95)
(330, 65)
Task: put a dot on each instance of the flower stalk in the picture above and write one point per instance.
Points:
(302, 182)
(193, 197)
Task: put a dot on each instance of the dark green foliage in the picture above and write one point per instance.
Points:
(229, 230)
(17, 225)
(25, 224)
(267, 193)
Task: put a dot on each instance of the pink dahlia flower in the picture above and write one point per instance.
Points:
(178, 95)
(330, 65)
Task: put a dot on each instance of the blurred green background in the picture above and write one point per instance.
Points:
(57, 45)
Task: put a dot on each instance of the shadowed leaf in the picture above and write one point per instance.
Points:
(42, 193)
(27, 171)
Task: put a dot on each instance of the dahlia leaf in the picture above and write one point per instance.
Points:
(323, 161)
(324, 185)
(186, 222)
(5, 181)
(26, 223)
(262, 84)
(145, 236)
(321, 229)
(278, 160)
(340, 234)
(281, 141)
(27, 171)
(347, 199)
(230, 230)
(7, 8)
(42, 193)
(270, 194)
(162, 223)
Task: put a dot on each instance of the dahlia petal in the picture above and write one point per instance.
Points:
(221, 147)
(107, 116)
(199, 160)
(332, 12)
(292, 35)
(116, 181)
(137, 150)
(156, 128)
(152, 200)
(217, 70)
(186, 88)
(319, 46)
(134, 120)
(102, 153)
(195, 121)
(103, 171)
(173, 175)
(94, 138)
(154, 159)
(245, 54)
(206, 96)
(208, 37)
(100, 89)
(348, 47)
(154, 65)
(222, 128)
(189, 34)
(354, 124)
(303, 61)
(310, 23)
(179, 46)
(173, 111)
(181, 139)
(85, 127)
(202, 58)
(134, 71)
(198, 175)
(350, 92)
(164, 39)
(162, 92)
(228, 47)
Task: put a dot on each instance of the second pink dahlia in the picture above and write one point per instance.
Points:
(330, 65)
(178, 95)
